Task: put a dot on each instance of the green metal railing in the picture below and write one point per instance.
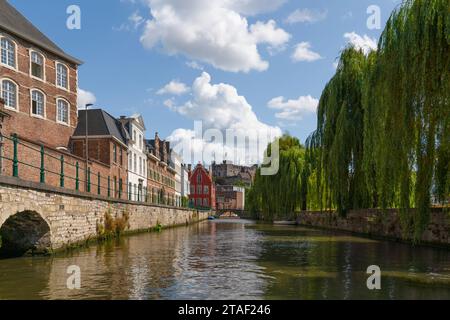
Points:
(102, 184)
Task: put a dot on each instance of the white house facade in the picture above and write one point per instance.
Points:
(185, 184)
(137, 158)
(177, 162)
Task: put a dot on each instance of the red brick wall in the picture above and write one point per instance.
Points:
(153, 184)
(45, 130)
(29, 158)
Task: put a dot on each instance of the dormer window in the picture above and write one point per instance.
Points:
(62, 76)
(37, 103)
(37, 65)
(8, 52)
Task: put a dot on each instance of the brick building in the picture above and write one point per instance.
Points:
(160, 172)
(203, 191)
(107, 145)
(38, 87)
(38, 82)
(227, 173)
(230, 197)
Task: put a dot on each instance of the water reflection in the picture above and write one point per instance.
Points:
(233, 260)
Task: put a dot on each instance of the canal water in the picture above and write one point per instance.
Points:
(233, 260)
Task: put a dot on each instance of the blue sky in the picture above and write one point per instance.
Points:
(125, 73)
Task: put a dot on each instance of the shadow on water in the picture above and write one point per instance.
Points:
(226, 259)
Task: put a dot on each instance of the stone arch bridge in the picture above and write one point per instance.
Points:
(35, 218)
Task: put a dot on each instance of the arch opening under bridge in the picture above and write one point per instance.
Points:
(24, 233)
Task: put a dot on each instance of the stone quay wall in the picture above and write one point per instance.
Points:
(381, 224)
(74, 217)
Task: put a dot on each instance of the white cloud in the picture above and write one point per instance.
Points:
(293, 109)
(254, 7)
(84, 98)
(173, 87)
(135, 20)
(219, 107)
(364, 43)
(194, 65)
(303, 52)
(170, 103)
(306, 15)
(216, 32)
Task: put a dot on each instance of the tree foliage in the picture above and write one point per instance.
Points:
(280, 195)
(407, 112)
(337, 144)
(383, 132)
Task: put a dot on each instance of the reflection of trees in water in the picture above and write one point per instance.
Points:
(319, 265)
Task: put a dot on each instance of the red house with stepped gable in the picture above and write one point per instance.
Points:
(203, 190)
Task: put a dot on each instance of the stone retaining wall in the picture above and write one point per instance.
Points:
(375, 223)
(75, 218)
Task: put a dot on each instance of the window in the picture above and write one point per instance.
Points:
(140, 142)
(115, 153)
(37, 103)
(135, 163)
(145, 167)
(8, 52)
(205, 190)
(9, 93)
(37, 65)
(121, 156)
(205, 202)
(199, 202)
(61, 76)
(192, 190)
(62, 111)
(130, 161)
(199, 189)
(140, 166)
(199, 178)
(134, 135)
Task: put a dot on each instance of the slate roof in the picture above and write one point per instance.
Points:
(100, 123)
(150, 144)
(15, 23)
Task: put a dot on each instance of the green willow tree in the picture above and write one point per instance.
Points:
(336, 148)
(280, 195)
(407, 112)
(383, 133)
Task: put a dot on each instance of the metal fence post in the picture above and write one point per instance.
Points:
(62, 173)
(99, 191)
(109, 187)
(88, 179)
(77, 177)
(42, 176)
(15, 157)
